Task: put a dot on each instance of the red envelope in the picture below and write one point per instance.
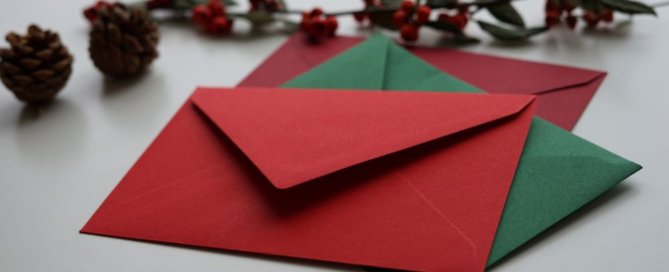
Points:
(401, 180)
(562, 92)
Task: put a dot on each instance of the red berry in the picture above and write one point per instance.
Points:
(571, 21)
(359, 16)
(607, 15)
(209, 29)
(552, 18)
(460, 20)
(306, 17)
(400, 18)
(443, 17)
(217, 9)
(316, 28)
(201, 15)
(408, 5)
(423, 14)
(591, 19)
(409, 32)
(91, 14)
(220, 25)
(331, 25)
(316, 12)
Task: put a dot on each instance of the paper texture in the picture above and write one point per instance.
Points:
(558, 172)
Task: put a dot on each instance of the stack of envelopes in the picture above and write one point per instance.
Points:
(373, 158)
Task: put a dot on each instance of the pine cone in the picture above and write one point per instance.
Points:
(123, 40)
(36, 66)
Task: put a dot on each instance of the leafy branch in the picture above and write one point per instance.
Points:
(408, 16)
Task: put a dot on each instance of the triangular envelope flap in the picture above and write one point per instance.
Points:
(297, 135)
(527, 77)
(395, 69)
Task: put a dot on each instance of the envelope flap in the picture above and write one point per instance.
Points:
(294, 136)
(493, 73)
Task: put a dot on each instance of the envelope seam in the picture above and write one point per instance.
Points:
(171, 183)
(575, 85)
(385, 66)
(434, 207)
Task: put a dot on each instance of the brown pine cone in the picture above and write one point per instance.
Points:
(36, 66)
(123, 40)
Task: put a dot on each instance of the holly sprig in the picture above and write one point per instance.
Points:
(406, 16)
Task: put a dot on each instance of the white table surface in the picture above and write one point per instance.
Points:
(57, 168)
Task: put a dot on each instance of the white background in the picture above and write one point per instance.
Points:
(55, 169)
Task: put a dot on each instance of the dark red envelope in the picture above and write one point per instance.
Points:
(381, 179)
(562, 92)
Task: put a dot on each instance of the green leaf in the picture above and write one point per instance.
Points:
(510, 34)
(290, 26)
(505, 12)
(444, 26)
(190, 4)
(465, 40)
(630, 7)
(259, 17)
(383, 18)
(441, 3)
(183, 4)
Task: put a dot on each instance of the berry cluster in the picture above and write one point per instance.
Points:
(268, 5)
(556, 10)
(409, 18)
(317, 25)
(592, 17)
(212, 18)
(459, 20)
(91, 13)
(362, 16)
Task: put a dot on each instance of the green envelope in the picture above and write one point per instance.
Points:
(558, 173)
